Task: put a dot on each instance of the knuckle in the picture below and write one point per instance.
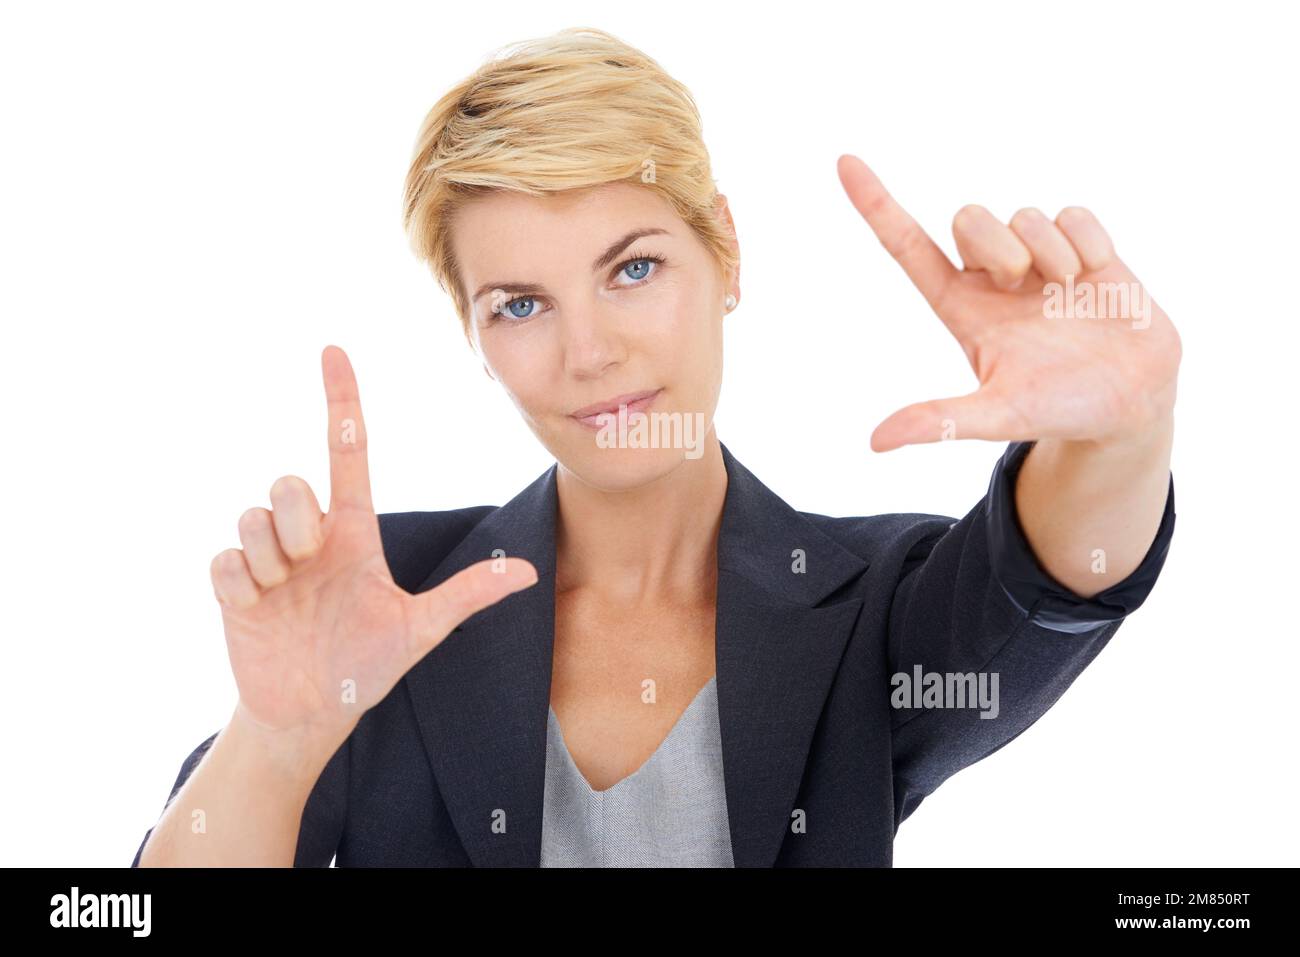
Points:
(275, 574)
(1026, 218)
(967, 216)
(877, 204)
(243, 601)
(1074, 215)
(287, 487)
(227, 563)
(299, 550)
(253, 520)
(440, 616)
(907, 243)
(300, 536)
(1011, 262)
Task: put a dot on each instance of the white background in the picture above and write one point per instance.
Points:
(197, 198)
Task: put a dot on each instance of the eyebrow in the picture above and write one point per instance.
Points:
(605, 258)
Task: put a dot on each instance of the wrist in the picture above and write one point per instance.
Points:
(1150, 438)
(293, 755)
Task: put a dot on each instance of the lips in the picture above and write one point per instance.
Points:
(635, 402)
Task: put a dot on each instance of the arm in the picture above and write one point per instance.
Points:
(1078, 366)
(249, 798)
(318, 632)
(973, 599)
(1090, 510)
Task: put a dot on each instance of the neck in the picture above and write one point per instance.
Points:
(646, 544)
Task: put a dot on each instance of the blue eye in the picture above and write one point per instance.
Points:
(515, 302)
(644, 269)
(640, 268)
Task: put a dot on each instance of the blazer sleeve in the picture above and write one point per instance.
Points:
(323, 816)
(973, 599)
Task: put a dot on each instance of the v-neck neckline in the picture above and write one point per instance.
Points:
(677, 725)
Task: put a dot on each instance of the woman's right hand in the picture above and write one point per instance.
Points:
(317, 630)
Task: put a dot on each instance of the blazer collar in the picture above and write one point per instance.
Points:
(481, 697)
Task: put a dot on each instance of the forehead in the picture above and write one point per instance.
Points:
(495, 230)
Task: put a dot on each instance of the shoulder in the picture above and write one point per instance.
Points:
(415, 542)
(871, 537)
(883, 539)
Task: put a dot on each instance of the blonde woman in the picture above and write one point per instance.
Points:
(646, 657)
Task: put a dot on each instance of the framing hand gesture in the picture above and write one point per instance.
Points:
(318, 632)
(1053, 362)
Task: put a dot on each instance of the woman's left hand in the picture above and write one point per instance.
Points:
(1092, 358)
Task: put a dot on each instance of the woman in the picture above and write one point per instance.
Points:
(659, 662)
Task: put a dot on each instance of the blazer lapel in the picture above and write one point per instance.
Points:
(481, 697)
(778, 649)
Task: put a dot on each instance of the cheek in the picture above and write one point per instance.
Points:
(682, 343)
(679, 321)
(689, 335)
(521, 371)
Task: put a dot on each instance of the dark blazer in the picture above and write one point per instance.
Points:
(804, 666)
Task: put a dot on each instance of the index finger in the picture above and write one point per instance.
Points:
(349, 471)
(921, 258)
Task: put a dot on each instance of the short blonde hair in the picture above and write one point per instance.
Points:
(576, 109)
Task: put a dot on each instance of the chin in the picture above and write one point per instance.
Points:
(615, 469)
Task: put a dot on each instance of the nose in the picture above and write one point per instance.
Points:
(591, 341)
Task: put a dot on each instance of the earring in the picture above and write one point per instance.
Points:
(731, 302)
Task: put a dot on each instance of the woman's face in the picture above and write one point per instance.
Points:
(584, 298)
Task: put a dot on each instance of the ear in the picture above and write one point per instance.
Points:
(724, 213)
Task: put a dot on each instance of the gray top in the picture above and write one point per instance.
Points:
(670, 812)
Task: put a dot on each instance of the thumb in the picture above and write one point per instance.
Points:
(970, 416)
(435, 613)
